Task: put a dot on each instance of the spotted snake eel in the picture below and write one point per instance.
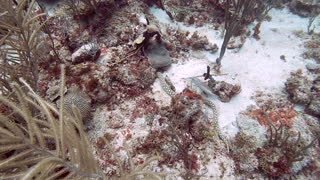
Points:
(167, 87)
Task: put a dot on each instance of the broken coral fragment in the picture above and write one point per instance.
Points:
(225, 91)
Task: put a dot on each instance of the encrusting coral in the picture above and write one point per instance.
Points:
(304, 8)
(273, 110)
(314, 107)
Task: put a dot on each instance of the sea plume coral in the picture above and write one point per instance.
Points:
(39, 141)
(23, 50)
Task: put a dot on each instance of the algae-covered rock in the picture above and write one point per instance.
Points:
(298, 87)
(314, 107)
(252, 128)
(305, 8)
(312, 67)
(225, 90)
(197, 42)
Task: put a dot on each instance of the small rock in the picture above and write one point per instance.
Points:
(250, 164)
(305, 8)
(236, 42)
(211, 47)
(252, 128)
(314, 107)
(313, 67)
(224, 90)
(87, 52)
(142, 19)
(53, 92)
(65, 53)
(201, 43)
(298, 88)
